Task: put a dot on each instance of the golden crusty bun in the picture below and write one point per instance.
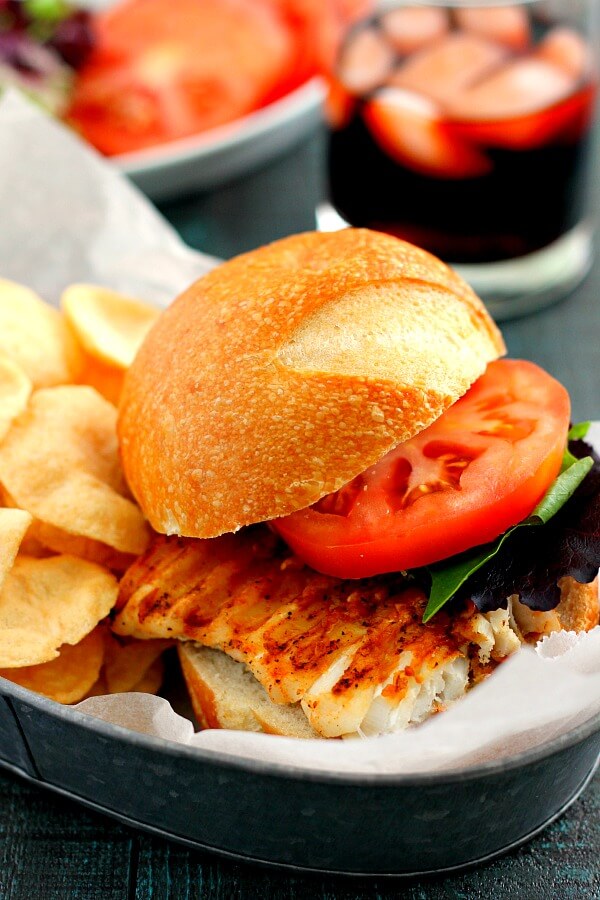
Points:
(225, 694)
(284, 373)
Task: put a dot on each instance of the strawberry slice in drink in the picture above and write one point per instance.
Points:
(448, 66)
(411, 130)
(525, 105)
(339, 104)
(411, 28)
(508, 25)
(568, 50)
(366, 61)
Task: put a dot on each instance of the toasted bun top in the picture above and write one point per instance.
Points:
(284, 373)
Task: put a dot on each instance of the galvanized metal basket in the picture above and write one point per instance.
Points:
(384, 825)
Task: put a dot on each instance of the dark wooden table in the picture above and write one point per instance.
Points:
(51, 849)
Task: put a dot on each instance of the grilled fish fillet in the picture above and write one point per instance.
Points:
(354, 656)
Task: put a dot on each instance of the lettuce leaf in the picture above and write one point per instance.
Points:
(576, 432)
(561, 537)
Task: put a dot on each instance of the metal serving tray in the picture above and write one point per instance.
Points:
(282, 816)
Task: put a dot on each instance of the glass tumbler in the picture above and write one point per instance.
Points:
(466, 128)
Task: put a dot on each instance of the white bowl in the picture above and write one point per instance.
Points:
(208, 160)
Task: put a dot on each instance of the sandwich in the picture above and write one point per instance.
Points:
(360, 509)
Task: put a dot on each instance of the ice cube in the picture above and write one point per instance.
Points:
(508, 25)
(366, 61)
(449, 66)
(517, 89)
(566, 49)
(411, 28)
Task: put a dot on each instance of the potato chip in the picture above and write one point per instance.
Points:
(151, 682)
(43, 537)
(45, 603)
(32, 547)
(37, 337)
(128, 661)
(98, 689)
(110, 326)
(59, 461)
(70, 676)
(108, 380)
(15, 388)
(13, 526)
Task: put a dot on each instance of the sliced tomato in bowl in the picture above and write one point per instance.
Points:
(163, 71)
(479, 469)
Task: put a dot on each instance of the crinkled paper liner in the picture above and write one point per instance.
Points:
(74, 218)
(535, 696)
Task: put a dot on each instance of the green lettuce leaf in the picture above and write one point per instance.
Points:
(449, 575)
(578, 431)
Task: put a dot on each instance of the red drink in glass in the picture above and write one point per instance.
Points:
(464, 130)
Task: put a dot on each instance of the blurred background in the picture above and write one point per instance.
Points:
(210, 106)
(464, 127)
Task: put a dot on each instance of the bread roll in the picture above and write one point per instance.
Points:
(225, 694)
(284, 373)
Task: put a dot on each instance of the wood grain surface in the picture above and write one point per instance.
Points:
(51, 849)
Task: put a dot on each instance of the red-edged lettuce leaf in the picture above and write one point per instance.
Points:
(533, 560)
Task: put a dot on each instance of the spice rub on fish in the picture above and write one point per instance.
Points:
(353, 656)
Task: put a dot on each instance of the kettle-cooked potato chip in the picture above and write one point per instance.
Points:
(37, 337)
(98, 689)
(13, 526)
(70, 676)
(108, 380)
(45, 603)
(152, 681)
(15, 388)
(110, 326)
(127, 661)
(43, 537)
(59, 462)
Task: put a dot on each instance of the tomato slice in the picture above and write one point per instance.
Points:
(480, 468)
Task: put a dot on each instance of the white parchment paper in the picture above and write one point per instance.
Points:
(68, 216)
